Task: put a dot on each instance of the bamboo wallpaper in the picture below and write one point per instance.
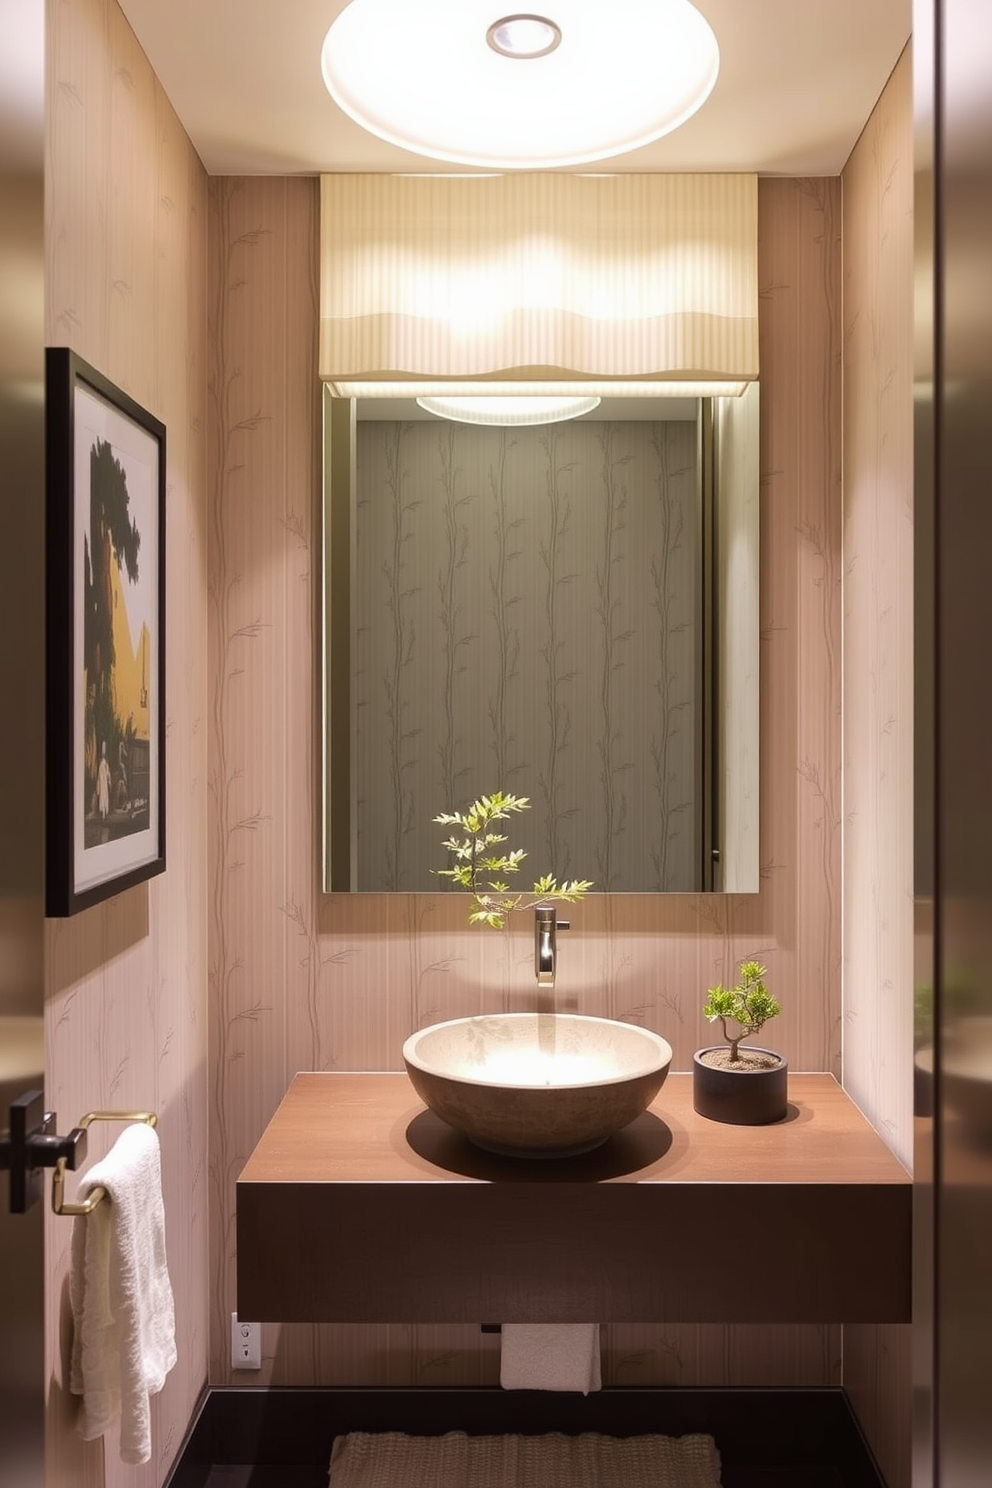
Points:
(126, 988)
(878, 694)
(878, 614)
(300, 980)
(526, 618)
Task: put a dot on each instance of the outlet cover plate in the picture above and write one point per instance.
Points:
(246, 1344)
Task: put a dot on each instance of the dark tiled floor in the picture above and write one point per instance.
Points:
(243, 1476)
(767, 1438)
(782, 1477)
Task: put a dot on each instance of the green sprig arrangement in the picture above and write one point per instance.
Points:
(483, 870)
(749, 1004)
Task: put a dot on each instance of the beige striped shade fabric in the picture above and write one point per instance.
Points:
(539, 275)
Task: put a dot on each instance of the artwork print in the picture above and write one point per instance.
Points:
(106, 682)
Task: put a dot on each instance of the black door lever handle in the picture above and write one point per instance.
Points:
(32, 1144)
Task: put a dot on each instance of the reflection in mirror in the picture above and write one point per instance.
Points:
(547, 610)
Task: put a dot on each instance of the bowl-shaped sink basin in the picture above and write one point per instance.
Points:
(537, 1084)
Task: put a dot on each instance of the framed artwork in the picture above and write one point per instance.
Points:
(105, 637)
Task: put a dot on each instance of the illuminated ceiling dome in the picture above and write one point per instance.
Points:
(463, 81)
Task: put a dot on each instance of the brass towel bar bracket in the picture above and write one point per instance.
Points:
(31, 1143)
(87, 1205)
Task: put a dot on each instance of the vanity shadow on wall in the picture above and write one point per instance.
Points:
(568, 612)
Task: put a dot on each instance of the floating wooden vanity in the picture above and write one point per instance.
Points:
(359, 1205)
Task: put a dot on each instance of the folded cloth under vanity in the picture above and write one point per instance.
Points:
(550, 1356)
(374, 1460)
(123, 1342)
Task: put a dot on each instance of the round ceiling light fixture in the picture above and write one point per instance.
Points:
(438, 77)
(508, 409)
(524, 36)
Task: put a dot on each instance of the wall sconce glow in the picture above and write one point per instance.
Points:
(457, 80)
(508, 409)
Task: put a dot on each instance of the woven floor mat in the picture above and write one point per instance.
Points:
(392, 1459)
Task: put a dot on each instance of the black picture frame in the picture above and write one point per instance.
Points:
(105, 637)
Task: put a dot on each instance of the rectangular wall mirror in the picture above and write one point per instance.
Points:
(567, 612)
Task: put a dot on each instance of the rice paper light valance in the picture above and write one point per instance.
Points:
(539, 276)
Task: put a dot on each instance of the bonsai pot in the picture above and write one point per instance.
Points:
(752, 1092)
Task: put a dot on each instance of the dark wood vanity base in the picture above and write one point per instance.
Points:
(358, 1205)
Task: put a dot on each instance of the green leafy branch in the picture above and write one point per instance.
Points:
(483, 869)
(749, 1004)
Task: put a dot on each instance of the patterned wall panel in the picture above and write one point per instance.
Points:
(270, 969)
(878, 615)
(878, 693)
(300, 980)
(126, 1020)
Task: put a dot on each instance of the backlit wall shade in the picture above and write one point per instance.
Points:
(549, 277)
(466, 81)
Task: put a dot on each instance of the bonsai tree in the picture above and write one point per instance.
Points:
(483, 867)
(749, 1005)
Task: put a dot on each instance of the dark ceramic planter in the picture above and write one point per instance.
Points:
(740, 1097)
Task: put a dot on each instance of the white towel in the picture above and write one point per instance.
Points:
(550, 1356)
(124, 1331)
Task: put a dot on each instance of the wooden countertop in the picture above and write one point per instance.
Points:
(372, 1128)
(358, 1204)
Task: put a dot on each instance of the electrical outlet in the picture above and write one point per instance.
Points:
(246, 1344)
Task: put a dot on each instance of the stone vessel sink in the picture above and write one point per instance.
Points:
(537, 1084)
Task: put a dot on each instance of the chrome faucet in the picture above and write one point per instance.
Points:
(546, 925)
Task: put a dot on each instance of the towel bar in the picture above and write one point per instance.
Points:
(59, 1206)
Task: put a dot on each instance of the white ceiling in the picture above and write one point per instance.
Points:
(798, 79)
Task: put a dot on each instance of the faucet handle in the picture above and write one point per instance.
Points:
(546, 917)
